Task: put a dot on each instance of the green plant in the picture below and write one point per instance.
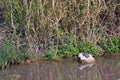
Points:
(49, 54)
(10, 54)
(111, 45)
(89, 47)
(67, 50)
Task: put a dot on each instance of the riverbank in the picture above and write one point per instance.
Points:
(55, 30)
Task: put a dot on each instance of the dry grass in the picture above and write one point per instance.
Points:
(44, 24)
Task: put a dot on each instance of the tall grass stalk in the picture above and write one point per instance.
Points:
(45, 24)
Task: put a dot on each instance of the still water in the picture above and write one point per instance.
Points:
(105, 68)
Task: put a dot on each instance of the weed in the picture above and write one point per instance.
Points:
(49, 54)
(9, 54)
(89, 47)
(111, 45)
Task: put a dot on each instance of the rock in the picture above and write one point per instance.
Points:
(87, 58)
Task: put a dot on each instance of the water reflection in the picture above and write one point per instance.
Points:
(84, 66)
(103, 69)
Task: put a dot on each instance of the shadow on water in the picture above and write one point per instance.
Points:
(105, 68)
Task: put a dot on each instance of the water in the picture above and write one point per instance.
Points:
(105, 68)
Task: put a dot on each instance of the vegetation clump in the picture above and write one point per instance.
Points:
(10, 54)
(111, 45)
(91, 48)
